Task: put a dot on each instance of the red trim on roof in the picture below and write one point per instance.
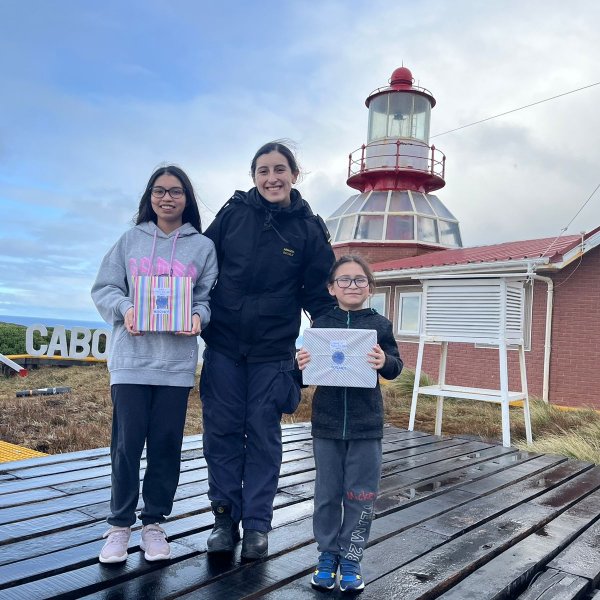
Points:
(527, 249)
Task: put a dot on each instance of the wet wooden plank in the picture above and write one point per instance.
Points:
(455, 504)
(582, 557)
(80, 547)
(556, 585)
(457, 522)
(488, 475)
(510, 572)
(434, 573)
(383, 528)
(402, 490)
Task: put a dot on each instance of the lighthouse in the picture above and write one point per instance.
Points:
(395, 215)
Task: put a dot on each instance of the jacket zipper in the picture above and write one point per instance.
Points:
(346, 389)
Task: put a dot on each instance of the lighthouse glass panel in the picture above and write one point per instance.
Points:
(421, 118)
(400, 227)
(400, 202)
(449, 233)
(426, 230)
(345, 228)
(440, 209)
(408, 116)
(400, 115)
(378, 116)
(332, 227)
(421, 205)
(376, 202)
(355, 206)
(344, 206)
(370, 227)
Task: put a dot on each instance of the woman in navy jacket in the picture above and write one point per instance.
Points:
(274, 256)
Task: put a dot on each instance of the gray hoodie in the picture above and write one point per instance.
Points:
(153, 358)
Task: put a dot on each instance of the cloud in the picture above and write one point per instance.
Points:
(89, 115)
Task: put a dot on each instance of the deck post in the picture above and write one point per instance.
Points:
(441, 381)
(415, 395)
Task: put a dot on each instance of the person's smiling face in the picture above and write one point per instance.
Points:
(274, 178)
(168, 210)
(352, 297)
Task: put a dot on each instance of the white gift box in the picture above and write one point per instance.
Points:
(338, 357)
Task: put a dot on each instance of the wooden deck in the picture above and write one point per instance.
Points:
(456, 519)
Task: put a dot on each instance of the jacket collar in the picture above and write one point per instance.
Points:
(298, 207)
(342, 315)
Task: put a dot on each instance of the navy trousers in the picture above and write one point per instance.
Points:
(346, 485)
(154, 415)
(242, 405)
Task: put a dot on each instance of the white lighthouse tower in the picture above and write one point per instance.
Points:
(395, 214)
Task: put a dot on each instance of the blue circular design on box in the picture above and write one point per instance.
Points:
(338, 357)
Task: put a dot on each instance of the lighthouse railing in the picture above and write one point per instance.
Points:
(397, 155)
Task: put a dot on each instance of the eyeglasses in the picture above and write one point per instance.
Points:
(174, 192)
(346, 282)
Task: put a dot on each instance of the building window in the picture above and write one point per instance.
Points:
(408, 313)
(380, 301)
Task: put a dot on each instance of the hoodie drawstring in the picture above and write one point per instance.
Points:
(172, 254)
(152, 254)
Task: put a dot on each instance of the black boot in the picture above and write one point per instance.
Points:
(225, 534)
(255, 544)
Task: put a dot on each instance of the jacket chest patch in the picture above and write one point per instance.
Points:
(289, 252)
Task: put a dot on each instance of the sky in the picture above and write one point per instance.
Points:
(96, 94)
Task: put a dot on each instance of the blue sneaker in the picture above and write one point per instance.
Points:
(350, 576)
(324, 575)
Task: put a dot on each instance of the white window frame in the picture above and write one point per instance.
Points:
(383, 291)
(406, 292)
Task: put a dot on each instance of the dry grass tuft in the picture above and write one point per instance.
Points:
(583, 444)
(82, 419)
(69, 422)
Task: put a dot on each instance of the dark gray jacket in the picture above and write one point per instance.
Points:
(355, 413)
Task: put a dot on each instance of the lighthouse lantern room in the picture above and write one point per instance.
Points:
(395, 171)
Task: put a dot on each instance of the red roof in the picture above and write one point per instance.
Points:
(523, 250)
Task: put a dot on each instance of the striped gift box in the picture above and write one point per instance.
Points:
(162, 303)
(338, 357)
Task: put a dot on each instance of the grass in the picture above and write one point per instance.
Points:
(82, 419)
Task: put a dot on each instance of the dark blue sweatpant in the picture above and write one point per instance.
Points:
(242, 405)
(154, 415)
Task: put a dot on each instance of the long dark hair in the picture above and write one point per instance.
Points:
(190, 215)
(352, 258)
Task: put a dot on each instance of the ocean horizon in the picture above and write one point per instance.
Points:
(53, 322)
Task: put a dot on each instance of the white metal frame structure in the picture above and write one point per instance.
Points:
(483, 311)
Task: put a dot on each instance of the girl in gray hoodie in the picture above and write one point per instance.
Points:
(151, 373)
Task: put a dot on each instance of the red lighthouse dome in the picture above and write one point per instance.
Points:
(395, 173)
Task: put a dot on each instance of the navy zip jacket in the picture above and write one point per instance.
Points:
(273, 262)
(341, 413)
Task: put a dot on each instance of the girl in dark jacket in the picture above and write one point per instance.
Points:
(274, 256)
(347, 427)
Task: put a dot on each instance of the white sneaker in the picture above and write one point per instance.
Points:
(115, 548)
(154, 542)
